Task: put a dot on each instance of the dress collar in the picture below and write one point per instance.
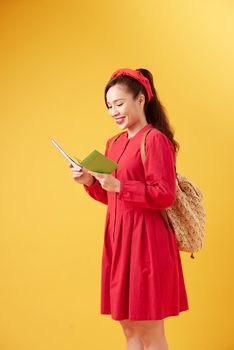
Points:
(139, 132)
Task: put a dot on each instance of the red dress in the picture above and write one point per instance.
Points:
(142, 277)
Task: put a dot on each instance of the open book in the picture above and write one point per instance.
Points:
(95, 161)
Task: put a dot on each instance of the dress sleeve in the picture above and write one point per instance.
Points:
(95, 190)
(158, 190)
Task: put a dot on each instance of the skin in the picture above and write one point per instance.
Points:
(140, 335)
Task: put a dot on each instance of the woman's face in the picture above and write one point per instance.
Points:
(126, 111)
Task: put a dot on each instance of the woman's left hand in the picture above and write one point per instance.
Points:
(107, 181)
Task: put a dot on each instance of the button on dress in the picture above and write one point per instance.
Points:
(142, 276)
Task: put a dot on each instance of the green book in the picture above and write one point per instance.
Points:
(95, 161)
(98, 162)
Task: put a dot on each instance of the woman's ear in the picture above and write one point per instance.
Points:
(141, 99)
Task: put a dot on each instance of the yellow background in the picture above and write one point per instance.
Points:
(56, 57)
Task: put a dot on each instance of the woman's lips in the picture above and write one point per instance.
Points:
(119, 120)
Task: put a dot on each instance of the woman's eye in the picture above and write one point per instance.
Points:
(116, 105)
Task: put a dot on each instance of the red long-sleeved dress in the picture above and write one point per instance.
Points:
(142, 277)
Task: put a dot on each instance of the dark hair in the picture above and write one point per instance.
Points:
(154, 110)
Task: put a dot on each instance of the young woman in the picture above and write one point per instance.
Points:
(142, 277)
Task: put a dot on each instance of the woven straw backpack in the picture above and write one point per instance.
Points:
(187, 214)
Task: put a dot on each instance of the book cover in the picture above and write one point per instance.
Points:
(98, 162)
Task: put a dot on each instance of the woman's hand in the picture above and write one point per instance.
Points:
(107, 181)
(81, 176)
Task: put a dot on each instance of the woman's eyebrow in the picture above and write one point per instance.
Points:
(117, 100)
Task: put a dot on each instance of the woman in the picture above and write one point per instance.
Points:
(142, 277)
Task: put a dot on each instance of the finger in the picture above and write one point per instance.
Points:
(92, 173)
(98, 176)
(75, 169)
(77, 172)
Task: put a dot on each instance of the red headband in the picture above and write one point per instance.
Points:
(138, 76)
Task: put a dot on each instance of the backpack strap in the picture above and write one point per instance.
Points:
(162, 211)
(143, 144)
(112, 140)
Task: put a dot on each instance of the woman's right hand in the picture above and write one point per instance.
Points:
(82, 176)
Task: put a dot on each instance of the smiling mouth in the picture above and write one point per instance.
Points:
(119, 120)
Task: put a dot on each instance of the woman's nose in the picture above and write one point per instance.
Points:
(114, 112)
